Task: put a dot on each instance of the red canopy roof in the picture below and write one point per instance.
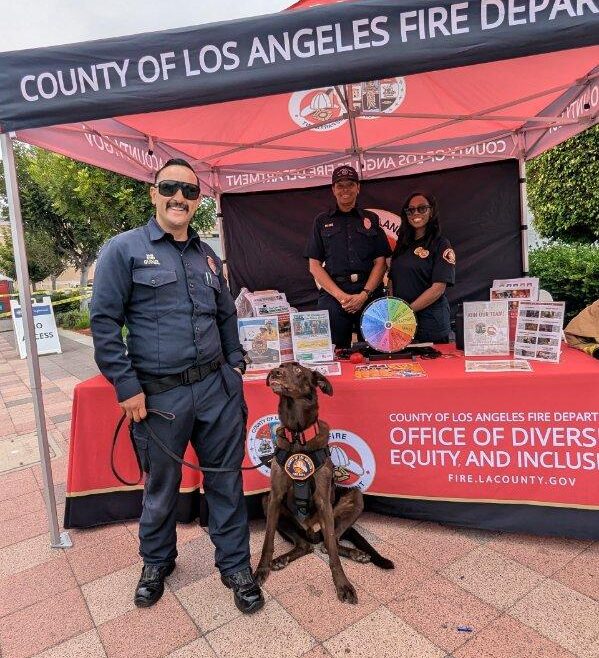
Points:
(395, 126)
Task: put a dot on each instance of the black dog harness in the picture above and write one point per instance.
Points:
(301, 467)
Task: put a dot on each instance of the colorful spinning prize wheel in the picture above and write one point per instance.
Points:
(388, 324)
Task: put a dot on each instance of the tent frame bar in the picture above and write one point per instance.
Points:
(57, 539)
(545, 121)
(523, 203)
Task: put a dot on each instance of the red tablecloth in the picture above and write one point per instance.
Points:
(508, 438)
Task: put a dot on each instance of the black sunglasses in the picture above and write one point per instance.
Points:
(412, 210)
(190, 191)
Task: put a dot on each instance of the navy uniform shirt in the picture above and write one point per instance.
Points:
(347, 242)
(175, 303)
(421, 265)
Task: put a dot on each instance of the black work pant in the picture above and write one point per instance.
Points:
(212, 415)
(433, 323)
(344, 324)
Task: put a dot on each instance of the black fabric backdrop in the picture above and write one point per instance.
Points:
(266, 232)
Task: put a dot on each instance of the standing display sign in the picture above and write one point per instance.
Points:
(311, 335)
(46, 332)
(539, 331)
(486, 330)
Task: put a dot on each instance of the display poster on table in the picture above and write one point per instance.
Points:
(539, 331)
(486, 328)
(311, 335)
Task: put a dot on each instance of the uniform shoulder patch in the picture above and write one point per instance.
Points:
(449, 256)
(367, 223)
(212, 264)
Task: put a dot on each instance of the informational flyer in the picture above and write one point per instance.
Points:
(259, 337)
(486, 328)
(539, 331)
(389, 370)
(268, 302)
(527, 282)
(284, 320)
(327, 369)
(311, 336)
(513, 295)
(512, 365)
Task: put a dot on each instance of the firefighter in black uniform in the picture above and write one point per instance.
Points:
(347, 251)
(184, 359)
(422, 266)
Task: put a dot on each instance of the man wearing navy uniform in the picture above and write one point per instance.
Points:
(346, 252)
(183, 359)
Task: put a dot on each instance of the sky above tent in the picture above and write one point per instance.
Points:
(70, 21)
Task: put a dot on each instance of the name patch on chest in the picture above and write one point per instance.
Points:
(150, 259)
(422, 252)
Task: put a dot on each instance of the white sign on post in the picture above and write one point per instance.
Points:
(46, 333)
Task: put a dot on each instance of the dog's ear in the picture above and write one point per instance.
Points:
(268, 377)
(322, 382)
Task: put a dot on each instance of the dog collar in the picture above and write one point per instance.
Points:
(301, 437)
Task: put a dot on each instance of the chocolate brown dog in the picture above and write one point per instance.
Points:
(304, 504)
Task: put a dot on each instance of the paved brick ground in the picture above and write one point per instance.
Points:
(522, 596)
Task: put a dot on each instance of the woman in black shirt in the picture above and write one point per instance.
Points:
(422, 266)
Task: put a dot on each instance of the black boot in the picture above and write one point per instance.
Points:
(151, 584)
(247, 594)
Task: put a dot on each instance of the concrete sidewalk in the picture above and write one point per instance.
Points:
(453, 593)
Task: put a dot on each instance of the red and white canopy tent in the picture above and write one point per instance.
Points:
(396, 87)
(400, 125)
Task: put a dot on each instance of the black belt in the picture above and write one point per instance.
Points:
(151, 386)
(357, 278)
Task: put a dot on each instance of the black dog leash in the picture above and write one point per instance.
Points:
(264, 461)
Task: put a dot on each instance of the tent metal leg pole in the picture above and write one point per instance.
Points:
(57, 539)
(221, 234)
(523, 215)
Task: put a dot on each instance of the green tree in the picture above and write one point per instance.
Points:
(42, 260)
(94, 204)
(563, 189)
(205, 218)
(90, 205)
(80, 206)
(38, 221)
(570, 272)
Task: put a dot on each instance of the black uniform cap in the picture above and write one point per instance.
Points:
(345, 172)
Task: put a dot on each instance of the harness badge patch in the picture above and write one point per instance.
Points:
(422, 252)
(299, 466)
(449, 256)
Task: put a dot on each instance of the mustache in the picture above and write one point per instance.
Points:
(177, 204)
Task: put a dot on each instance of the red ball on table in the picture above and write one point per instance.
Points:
(356, 357)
